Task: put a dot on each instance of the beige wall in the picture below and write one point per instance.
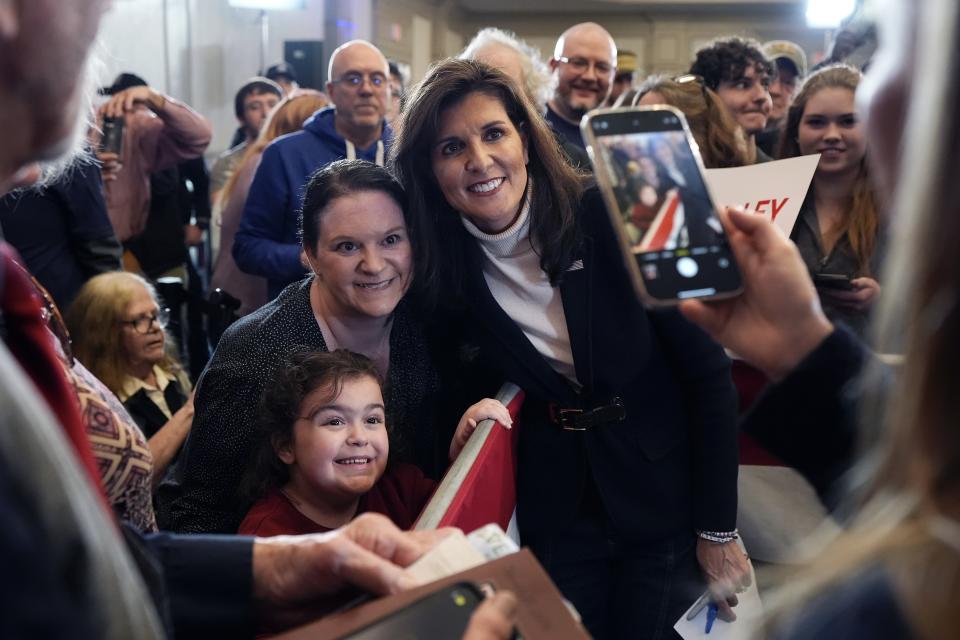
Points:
(210, 48)
(206, 52)
(663, 43)
(401, 28)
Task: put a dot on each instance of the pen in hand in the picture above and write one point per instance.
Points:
(711, 617)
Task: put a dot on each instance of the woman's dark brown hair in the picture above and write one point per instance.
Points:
(556, 186)
(304, 372)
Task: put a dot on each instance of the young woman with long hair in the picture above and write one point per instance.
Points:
(838, 229)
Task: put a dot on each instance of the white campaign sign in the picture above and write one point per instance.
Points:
(772, 189)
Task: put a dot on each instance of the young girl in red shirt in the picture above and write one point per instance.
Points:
(324, 451)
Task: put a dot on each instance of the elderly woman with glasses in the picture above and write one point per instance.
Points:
(117, 327)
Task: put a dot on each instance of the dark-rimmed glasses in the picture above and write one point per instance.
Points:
(143, 324)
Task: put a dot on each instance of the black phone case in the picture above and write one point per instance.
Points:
(442, 614)
(832, 281)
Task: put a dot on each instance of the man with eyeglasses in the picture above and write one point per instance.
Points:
(583, 64)
(740, 74)
(266, 242)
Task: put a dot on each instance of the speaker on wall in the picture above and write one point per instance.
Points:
(306, 57)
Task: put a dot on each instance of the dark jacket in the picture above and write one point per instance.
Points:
(671, 465)
(201, 493)
(267, 242)
(863, 607)
(62, 232)
(809, 419)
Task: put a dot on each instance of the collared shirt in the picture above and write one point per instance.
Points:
(132, 385)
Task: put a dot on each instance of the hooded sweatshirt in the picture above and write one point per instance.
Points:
(267, 241)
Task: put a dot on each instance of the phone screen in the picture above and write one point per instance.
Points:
(112, 139)
(662, 206)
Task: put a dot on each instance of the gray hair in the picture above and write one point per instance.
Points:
(537, 79)
(75, 149)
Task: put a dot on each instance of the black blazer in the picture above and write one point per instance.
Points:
(671, 464)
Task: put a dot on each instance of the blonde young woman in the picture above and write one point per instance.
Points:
(895, 571)
(117, 327)
(838, 228)
(288, 116)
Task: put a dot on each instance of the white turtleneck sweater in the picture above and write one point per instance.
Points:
(512, 271)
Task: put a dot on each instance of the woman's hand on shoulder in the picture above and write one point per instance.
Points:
(488, 408)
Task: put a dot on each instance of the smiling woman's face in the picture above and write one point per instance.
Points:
(829, 126)
(363, 259)
(479, 160)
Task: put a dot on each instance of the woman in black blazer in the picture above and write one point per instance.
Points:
(627, 445)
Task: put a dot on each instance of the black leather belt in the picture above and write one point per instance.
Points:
(583, 419)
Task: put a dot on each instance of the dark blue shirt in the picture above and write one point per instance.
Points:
(562, 126)
(62, 233)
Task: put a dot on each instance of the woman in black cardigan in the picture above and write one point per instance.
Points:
(355, 239)
(628, 456)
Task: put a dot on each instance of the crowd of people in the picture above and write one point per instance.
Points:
(393, 254)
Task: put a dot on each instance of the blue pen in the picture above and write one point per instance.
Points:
(711, 617)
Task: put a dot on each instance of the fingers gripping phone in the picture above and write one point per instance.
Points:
(442, 614)
(649, 171)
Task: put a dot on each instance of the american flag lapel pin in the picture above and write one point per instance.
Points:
(576, 266)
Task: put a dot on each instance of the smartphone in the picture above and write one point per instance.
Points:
(112, 140)
(442, 614)
(649, 171)
(833, 281)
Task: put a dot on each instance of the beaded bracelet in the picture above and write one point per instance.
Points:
(720, 537)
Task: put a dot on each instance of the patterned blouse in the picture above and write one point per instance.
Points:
(119, 448)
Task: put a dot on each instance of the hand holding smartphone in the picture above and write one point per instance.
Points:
(650, 173)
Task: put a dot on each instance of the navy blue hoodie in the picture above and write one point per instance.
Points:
(267, 242)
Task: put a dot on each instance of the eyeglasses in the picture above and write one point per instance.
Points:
(581, 65)
(356, 80)
(143, 324)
